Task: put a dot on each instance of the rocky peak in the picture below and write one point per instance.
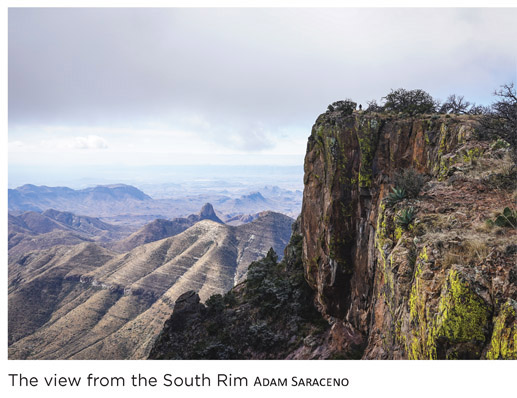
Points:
(208, 213)
(255, 196)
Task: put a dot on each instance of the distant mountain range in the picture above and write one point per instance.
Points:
(126, 205)
(89, 302)
(35, 231)
(32, 197)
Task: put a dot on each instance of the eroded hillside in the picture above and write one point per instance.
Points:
(87, 302)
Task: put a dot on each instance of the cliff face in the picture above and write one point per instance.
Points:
(440, 286)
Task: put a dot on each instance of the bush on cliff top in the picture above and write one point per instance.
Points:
(500, 120)
(411, 102)
(347, 106)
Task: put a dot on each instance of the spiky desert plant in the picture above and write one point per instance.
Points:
(406, 217)
(396, 195)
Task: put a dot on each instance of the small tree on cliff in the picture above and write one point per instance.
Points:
(411, 102)
(347, 106)
(455, 104)
(374, 107)
(478, 109)
(501, 119)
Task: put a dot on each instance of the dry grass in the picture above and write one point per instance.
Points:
(469, 252)
(484, 227)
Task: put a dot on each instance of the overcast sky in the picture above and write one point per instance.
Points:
(228, 86)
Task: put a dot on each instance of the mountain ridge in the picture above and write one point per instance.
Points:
(160, 229)
(116, 306)
(32, 230)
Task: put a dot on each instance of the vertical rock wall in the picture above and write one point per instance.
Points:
(391, 287)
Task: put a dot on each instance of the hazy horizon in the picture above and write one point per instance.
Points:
(148, 178)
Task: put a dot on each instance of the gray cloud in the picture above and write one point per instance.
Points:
(244, 72)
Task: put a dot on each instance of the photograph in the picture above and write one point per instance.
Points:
(261, 183)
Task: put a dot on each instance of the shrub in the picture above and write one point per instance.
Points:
(499, 144)
(478, 110)
(470, 252)
(500, 121)
(347, 106)
(260, 269)
(410, 102)
(215, 303)
(229, 299)
(410, 181)
(455, 104)
(507, 218)
(374, 107)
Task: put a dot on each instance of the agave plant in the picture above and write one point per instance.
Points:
(397, 195)
(406, 217)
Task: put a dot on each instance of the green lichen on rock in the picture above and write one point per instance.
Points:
(463, 316)
(472, 154)
(426, 138)
(320, 134)
(398, 233)
(444, 167)
(367, 135)
(443, 162)
(384, 243)
(383, 234)
(420, 345)
(458, 328)
(423, 255)
(503, 344)
(443, 139)
(414, 297)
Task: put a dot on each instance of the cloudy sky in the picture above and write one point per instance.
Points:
(228, 86)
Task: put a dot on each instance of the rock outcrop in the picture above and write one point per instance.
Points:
(434, 287)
